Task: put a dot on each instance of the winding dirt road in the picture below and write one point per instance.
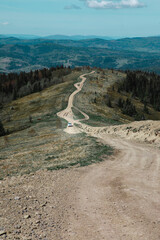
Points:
(67, 113)
(118, 198)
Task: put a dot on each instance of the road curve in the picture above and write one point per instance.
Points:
(119, 198)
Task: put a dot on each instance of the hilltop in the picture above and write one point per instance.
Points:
(98, 179)
(33, 118)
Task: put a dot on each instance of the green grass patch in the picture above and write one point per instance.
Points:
(97, 121)
(95, 152)
(77, 114)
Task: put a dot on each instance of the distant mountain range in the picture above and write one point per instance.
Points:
(75, 37)
(20, 36)
(56, 37)
(129, 53)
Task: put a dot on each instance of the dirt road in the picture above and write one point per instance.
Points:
(119, 198)
(67, 113)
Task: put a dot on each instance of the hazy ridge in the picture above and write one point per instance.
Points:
(129, 53)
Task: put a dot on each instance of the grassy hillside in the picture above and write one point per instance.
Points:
(102, 87)
(39, 142)
(14, 86)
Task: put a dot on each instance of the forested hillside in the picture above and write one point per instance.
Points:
(14, 85)
(18, 55)
(137, 95)
(145, 86)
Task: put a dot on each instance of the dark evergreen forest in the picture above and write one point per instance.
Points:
(143, 85)
(16, 85)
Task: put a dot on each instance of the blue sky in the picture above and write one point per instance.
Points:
(86, 17)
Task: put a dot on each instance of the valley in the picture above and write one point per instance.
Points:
(18, 55)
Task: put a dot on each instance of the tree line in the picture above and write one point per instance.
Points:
(143, 85)
(16, 85)
(138, 85)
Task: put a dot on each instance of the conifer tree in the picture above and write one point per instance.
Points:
(2, 131)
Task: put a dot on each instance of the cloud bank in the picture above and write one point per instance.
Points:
(104, 4)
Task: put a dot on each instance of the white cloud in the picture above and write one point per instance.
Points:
(104, 4)
(4, 23)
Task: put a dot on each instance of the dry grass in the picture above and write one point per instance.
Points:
(25, 149)
(114, 95)
(91, 100)
(40, 142)
(44, 147)
(96, 87)
(39, 106)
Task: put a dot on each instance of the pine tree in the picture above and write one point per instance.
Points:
(145, 109)
(2, 131)
(109, 104)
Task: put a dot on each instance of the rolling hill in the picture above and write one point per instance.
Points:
(129, 53)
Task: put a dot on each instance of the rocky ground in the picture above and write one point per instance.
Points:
(115, 199)
(35, 206)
